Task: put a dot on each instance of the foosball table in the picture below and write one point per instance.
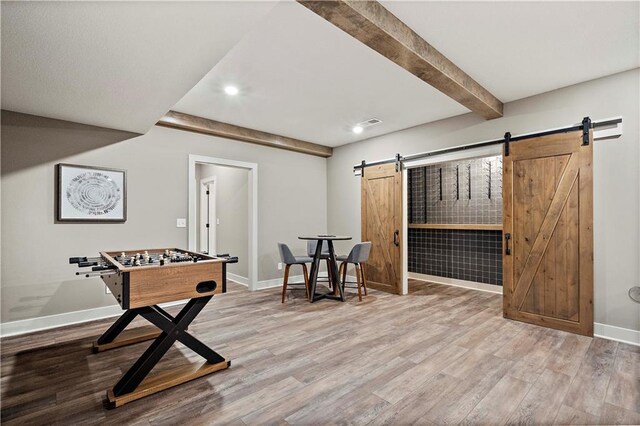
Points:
(142, 279)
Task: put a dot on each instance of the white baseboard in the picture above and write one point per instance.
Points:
(14, 328)
(277, 282)
(491, 288)
(619, 334)
(238, 279)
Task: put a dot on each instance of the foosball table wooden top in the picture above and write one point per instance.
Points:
(110, 256)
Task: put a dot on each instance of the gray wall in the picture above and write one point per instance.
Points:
(616, 179)
(232, 204)
(36, 277)
(36, 280)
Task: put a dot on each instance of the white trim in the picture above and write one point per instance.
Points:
(238, 279)
(611, 132)
(619, 334)
(487, 151)
(490, 288)
(405, 233)
(277, 282)
(13, 328)
(253, 208)
(297, 279)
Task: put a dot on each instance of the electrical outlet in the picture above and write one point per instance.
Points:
(181, 223)
(107, 290)
(279, 266)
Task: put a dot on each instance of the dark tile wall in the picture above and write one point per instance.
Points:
(471, 192)
(462, 254)
(416, 195)
(457, 192)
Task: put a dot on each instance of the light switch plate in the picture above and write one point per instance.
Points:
(181, 223)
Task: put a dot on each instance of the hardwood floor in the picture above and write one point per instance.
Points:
(440, 355)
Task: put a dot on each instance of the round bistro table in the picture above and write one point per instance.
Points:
(315, 266)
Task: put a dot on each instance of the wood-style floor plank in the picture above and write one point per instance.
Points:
(441, 355)
(594, 374)
(543, 401)
(624, 386)
(499, 403)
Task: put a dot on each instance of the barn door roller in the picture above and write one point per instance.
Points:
(507, 141)
(586, 125)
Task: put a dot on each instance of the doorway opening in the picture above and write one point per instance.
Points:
(208, 220)
(223, 213)
(454, 219)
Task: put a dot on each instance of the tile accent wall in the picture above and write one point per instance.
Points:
(462, 254)
(457, 192)
(476, 198)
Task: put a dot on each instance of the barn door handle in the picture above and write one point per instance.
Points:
(396, 238)
(507, 250)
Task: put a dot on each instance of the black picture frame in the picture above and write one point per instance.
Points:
(64, 209)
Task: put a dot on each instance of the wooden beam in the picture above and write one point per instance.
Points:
(192, 123)
(370, 23)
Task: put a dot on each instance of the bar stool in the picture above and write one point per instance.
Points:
(289, 259)
(311, 251)
(358, 256)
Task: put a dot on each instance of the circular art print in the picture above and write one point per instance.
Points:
(93, 193)
(89, 193)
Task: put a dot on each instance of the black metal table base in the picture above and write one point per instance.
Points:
(173, 329)
(333, 275)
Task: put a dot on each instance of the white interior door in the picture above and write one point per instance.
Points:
(208, 217)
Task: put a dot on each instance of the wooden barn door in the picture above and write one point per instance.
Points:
(548, 237)
(382, 225)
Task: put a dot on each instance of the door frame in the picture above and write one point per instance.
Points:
(252, 224)
(211, 213)
(481, 152)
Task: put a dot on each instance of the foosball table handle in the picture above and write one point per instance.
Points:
(206, 286)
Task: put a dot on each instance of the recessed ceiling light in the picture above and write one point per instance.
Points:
(231, 90)
(357, 129)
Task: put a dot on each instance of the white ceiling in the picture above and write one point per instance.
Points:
(519, 49)
(114, 64)
(302, 77)
(124, 64)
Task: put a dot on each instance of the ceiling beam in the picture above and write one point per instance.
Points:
(192, 123)
(370, 23)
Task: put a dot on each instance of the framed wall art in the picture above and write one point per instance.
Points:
(90, 194)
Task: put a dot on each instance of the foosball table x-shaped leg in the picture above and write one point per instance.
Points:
(132, 384)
